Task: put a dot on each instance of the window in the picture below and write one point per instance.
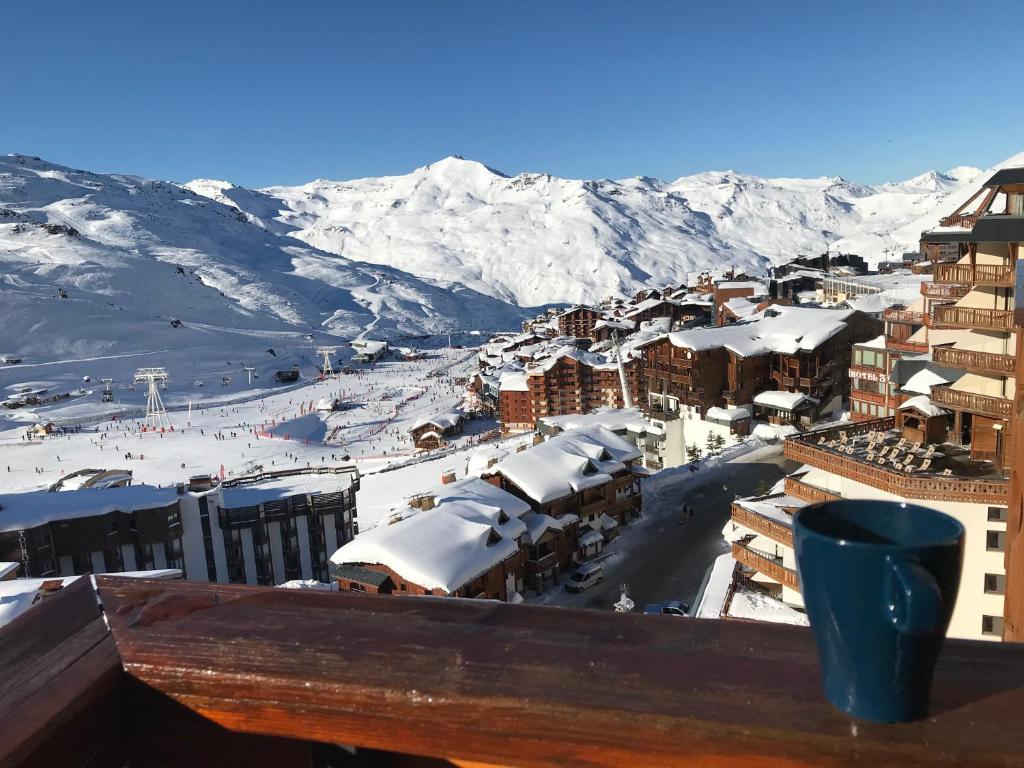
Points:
(995, 584)
(992, 625)
(357, 587)
(997, 514)
(994, 541)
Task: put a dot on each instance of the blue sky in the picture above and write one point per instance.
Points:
(280, 93)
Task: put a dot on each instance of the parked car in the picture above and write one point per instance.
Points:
(668, 608)
(585, 577)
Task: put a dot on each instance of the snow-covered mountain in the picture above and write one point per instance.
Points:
(536, 238)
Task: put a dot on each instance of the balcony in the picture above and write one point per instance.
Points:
(913, 347)
(801, 490)
(765, 564)
(976, 490)
(959, 221)
(593, 509)
(990, 275)
(972, 360)
(905, 316)
(985, 405)
(973, 317)
(550, 560)
(203, 674)
(762, 525)
(944, 291)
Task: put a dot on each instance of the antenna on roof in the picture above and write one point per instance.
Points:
(156, 414)
(326, 352)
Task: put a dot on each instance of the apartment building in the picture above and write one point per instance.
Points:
(796, 350)
(262, 529)
(954, 448)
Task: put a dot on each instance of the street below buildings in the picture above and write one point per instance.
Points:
(669, 560)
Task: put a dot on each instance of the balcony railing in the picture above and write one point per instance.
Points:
(544, 561)
(766, 565)
(944, 291)
(959, 220)
(186, 674)
(801, 490)
(804, 449)
(986, 405)
(763, 525)
(973, 317)
(914, 347)
(973, 360)
(993, 275)
(905, 316)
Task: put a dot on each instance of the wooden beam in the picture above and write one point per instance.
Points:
(59, 662)
(476, 681)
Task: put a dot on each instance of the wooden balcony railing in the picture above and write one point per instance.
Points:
(973, 317)
(991, 275)
(801, 490)
(804, 449)
(986, 405)
(768, 566)
(544, 562)
(972, 360)
(905, 316)
(174, 674)
(763, 525)
(944, 291)
(914, 347)
(959, 220)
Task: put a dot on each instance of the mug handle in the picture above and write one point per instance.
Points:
(915, 600)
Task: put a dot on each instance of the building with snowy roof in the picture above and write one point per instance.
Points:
(263, 529)
(430, 432)
(462, 539)
(368, 350)
(782, 348)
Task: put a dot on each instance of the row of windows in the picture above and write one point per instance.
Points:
(870, 409)
(869, 358)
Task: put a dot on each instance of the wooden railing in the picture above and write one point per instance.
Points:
(973, 360)
(768, 566)
(926, 487)
(801, 490)
(973, 317)
(770, 528)
(916, 347)
(986, 405)
(940, 291)
(203, 674)
(993, 275)
(905, 316)
(959, 220)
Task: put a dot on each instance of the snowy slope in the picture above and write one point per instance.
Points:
(537, 238)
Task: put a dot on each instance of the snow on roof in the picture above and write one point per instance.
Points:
(622, 325)
(27, 510)
(447, 420)
(8, 568)
(607, 522)
(537, 525)
(923, 404)
(786, 401)
(712, 599)
(369, 346)
(612, 418)
(777, 329)
(587, 358)
(748, 604)
(569, 462)
(757, 287)
(727, 414)
(876, 343)
(741, 306)
(312, 584)
(441, 548)
(513, 381)
(921, 382)
(480, 460)
(646, 304)
(281, 488)
(590, 537)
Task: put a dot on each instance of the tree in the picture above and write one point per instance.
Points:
(693, 452)
(763, 488)
(719, 443)
(711, 444)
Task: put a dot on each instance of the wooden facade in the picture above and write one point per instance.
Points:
(578, 322)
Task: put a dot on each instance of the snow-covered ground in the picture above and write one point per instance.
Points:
(275, 430)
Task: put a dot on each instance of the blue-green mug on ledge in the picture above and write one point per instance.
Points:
(879, 581)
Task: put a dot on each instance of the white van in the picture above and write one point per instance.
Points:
(585, 577)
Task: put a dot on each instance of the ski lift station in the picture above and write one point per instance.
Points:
(368, 350)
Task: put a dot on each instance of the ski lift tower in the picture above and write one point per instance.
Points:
(249, 371)
(108, 393)
(156, 414)
(326, 352)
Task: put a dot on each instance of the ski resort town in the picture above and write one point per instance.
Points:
(553, 463)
